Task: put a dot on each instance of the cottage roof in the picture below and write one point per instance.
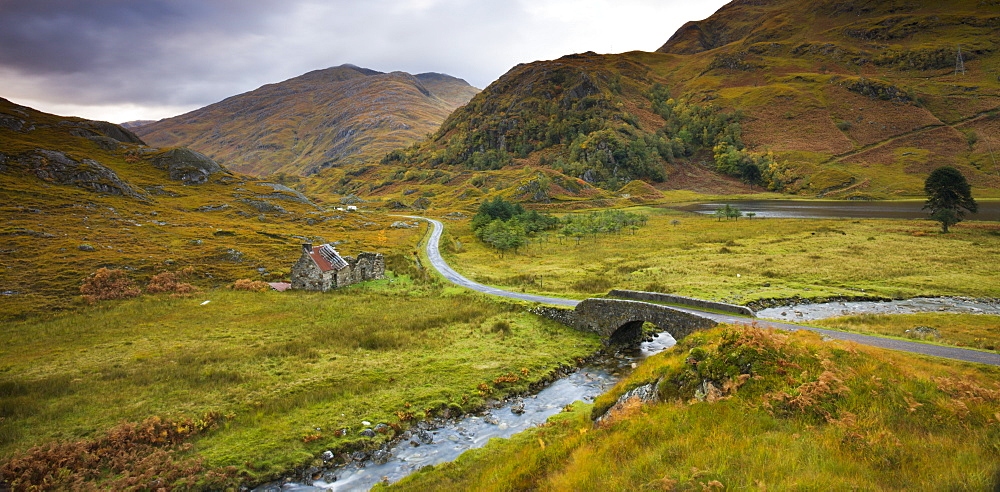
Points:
(327, 258)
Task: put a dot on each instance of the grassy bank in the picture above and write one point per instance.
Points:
(754, 409)
(739, 261)
(963, 330)
(280, 374)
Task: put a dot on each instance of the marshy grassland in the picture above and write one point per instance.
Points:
(740, 261)
(273, 378)
(758, 409)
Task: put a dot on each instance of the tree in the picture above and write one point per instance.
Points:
(733, 212)
(729, 212)
(949, 196)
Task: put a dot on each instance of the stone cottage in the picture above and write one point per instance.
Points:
(322, 268)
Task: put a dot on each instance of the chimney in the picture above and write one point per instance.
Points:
(307, 248)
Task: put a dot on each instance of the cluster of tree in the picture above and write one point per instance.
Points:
(601, 222)
(729, 212)
(752, 168)
(691, 127)
(506, 225)
(614, 157)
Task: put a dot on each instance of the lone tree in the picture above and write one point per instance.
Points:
(948, 196)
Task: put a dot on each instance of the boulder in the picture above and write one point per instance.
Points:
(517, 408)
(381, 456)
(424, 436)
(187, 166)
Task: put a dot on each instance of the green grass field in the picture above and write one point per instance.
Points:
(285, 370)
(740, 261)
(968, 330)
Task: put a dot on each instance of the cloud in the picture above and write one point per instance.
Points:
(185, 54)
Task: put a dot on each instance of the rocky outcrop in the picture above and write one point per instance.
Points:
(102, 129)
(57, 167)
(187, 166)
(647, 393)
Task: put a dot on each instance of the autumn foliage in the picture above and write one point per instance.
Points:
(132, 456)
(250, 285)
(107, 284)
(171, 282)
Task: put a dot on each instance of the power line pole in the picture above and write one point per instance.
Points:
(959, 62)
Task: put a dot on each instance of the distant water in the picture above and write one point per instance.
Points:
(839, 209)
(810, 312)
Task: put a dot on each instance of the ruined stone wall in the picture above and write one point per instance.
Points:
(307, 276)
(681, 300)
(367, 266)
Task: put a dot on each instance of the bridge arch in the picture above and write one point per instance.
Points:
(620, 321)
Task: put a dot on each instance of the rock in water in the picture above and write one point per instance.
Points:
(381, 457)
(517, 408)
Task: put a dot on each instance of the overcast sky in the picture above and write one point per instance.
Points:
(121, 60)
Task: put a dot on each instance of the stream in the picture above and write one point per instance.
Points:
(429, 444)
(440, 441)
(811, 312)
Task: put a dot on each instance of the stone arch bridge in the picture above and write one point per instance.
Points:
(619, 321)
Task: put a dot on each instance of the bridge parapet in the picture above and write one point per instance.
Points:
(638, 295)
(620, 320)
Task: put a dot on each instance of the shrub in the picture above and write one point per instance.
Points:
(149, 455)
(170, 282)
(250, 285)
(107, 284)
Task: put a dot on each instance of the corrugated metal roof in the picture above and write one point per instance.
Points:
(280, 286)
(327, 258)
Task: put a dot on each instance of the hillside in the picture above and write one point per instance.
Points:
(80, 195)
(843, 99)
(325, 118)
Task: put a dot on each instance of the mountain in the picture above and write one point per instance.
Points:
(78, 195)
(847, 99)
(325, 118)
(131, 125)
